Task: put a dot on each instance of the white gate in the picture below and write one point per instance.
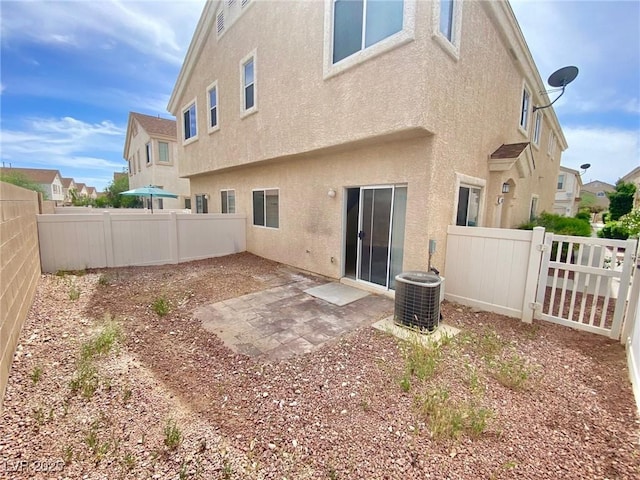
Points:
(584, 282)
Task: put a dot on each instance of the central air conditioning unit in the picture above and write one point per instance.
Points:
(417, 302)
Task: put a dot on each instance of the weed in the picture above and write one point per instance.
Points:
(38, 414)
(182, 474)
(102, 343)
(64, 273)
(227, 469)
(490, 344)
(74, 294)
(67, 454)
(36, 374)
(85, 380)
(129, 461)
(421, 360)
(104, 280)
(333, 474)
(405, 383)
(92, 438)
(172, 435)
(447, 420)
(472, 379)
(126, 394)
(511, 372)
(365, 405)
(161, 306)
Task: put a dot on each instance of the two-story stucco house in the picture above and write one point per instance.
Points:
(151, 153)
(353, 132)
(50, 181)
(68, 186)
(567, 192)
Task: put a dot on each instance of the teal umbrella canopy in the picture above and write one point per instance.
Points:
(149, 191)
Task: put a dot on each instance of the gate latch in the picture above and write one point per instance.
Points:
(535, 306)
(542, 247)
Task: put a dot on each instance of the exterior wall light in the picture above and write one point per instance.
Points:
(331, 193)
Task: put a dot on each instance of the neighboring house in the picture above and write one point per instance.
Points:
(49, 180)
(91, 193)
(81, 190)
(634, 177)
(394, 121)
(117, 175)
(68, 186)
(151, 153)
(567, 192)
(599, 190)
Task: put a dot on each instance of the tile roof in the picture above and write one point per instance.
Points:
(80, 186)
(91, 190)
(66, 182)
(510, 150)
(37, 175)
(156, 125)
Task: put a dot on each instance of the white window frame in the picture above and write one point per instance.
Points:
(551, 148)
(538, 119)
(450, 46)
(524, 115)
(264, 190)
(404, 36)
(561, 186)
(160, 161)
(533, 214)
(463, 180)
(245, 112)
(193, 103)
(229, 191)
(216, 127)
(204, 198)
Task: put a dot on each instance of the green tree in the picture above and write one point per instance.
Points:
(631, 221)
(621, 200)
(590, 202)
(19, 179)
(118, 185)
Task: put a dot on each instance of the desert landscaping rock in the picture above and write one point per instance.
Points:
(339, 411)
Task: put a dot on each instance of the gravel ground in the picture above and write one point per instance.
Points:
(501, 400)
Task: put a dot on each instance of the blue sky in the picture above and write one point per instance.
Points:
(72, 70)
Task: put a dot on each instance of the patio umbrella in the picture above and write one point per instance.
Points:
(149, 191)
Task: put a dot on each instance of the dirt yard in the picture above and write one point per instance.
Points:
(104, 387)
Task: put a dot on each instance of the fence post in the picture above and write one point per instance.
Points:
(173, 237)
(108, 239)
(533, 272)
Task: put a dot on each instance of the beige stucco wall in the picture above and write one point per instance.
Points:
(156, 173)
(466, 106)
(19, 268)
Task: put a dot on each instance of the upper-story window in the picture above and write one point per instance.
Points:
(561, 182)
(524, 110)
(551, 149)
(446, 18)
(212, 98)
(447, 24)
(249, 91)
(220, 22)
(537, 128)
(163, 152)
(189, 123)
(358, 24)
(148, 150)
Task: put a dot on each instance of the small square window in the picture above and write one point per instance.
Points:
(266, 206)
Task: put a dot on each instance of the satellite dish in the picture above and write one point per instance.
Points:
(563, 76)
(584, 166)
(560, 79)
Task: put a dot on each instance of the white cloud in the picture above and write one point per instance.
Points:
(611, 152)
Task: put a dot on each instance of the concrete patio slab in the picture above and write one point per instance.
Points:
(337, 293)
(285, 320)
(387, 325)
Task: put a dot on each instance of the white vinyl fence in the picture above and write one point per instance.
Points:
(493, 269)
(78, 241)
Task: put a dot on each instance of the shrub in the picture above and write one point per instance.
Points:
(561, 225)
(621, 199)
(583, 215)
(615, 230)
(631, 221)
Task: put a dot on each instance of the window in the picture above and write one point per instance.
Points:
(129, 167)
(446, 18)
(187, 203)
(266, 208)
(212, 98)
(148, 150)
(524, 112)
(560, 182)
(358, 24)
(244, 2)
(600, 194)
(248, 84)
(202, 204)
(552, 144)
(533, 212)
(220, 22)
(228, 200)
(163, 152)
(189, 122)
(468, 206)
(537, 128)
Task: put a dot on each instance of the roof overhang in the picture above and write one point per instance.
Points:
(510, 154)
